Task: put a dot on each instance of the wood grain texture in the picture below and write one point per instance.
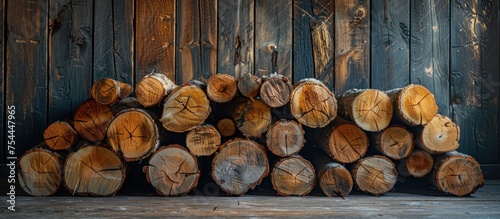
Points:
(474, 78)
(352, 45)
(26, 69)
(70, 56)
(303, 65)
(104, 63)
(123, 30)
(236, 37)
(322, 36)
(429, 46)
(155, 38)
(208, 38)
(2, 75)
(273, 41)
(390, 50)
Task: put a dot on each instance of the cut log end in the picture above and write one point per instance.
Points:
(285, 137)
(335, 180)
(375, 175)
(221, 88)
(293, 175)
(249, 85)
(91, 120)
(203, 140)
(275, 91)
(252, 118)
(347, 143)
(40, 172)
(418, 164)
(151, 90)
(226, 127)
(439, 136)
(60, 136)
(370, 109)
(395, 142)
(415, 104)
(457, 174)
(107, 91)
(312, 104)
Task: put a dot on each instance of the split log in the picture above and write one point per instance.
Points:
(107, 91)
(40, 172)
(133, 133)
(370, 109)
(172, 171)
(375, 175)
(151, 90)
(285, 137)
(413, 104)
(226, 127)
(203, 140)
(418, 164)
(293, 175)
(185, 108)
(275, 91)
(91, 120)
(94, 170)
(221, 88)
(395, 142)
(60, 135)
(457, 174)
(249, 85)
(240, 165)
(439, 136)
(252, 117)
(312, 104)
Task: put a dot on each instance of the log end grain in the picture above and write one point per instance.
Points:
(293, 175)
(372, 110)
(416, 105)
(226, 127)
(60, 135)
(249, 85)
(335, 180)
(275, 91)
(285, 137)
(375, 175)
(221, 88)
(347, 143)
(151, 90)
(40, 172)
(203, 140)
(108, 91)
(457, 174)
(439, 136)
(418, 164)
(91, 119)
(395, 142)
(252, 118)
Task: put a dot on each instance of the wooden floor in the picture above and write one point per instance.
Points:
(402, 202)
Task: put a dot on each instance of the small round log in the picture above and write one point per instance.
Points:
(249, 85)
(275, 91)
(203, 140)
(418, 164)
(107, 91)
(413, 104)
(40, 172)
(91, 120)
(439, 136)
(375, 175)
(293, 175)
(285, 137)
(395, 142)
(226, 127)
(60, 135)
(252, 118)
(151, 90)
(221, 88)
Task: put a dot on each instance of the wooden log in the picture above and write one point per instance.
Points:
(203, 140)
(240, 165)
(151, 90)
(107, 91)
(370, 109)
(185, 108)
(285, 137)
(226, 127)
(252, 117)
(60, 135)
(413, 104)
(221, 88)
(293, 175)
(249, 85)
(133, 133)
(457, 174)
(94, 170)
(40, 172)
(126, 103)
(312, 104)
(172, 171)
(91, 120)
(375, 175)
(395, 142)
(439, 136)
(275, 91)
(418, 164)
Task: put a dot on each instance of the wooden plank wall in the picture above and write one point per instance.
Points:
(52, 50)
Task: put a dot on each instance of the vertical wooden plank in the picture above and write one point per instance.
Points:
(474, 79)
(2, 74)
(352, 44)
(273, 37)
(322, 31)
(70, 56)
(303, 65)
(26, 70)
(123, 28)
(429, 47)
(236, 37)
(104, 63)
(188, 40)
(390, 50)
(208, 38)
(154, 38)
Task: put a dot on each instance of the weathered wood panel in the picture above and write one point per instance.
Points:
(236, 37)
(208, 38)
(429, 43)
(273, 38)
(104, 63)
(474, 79)
(70, 57)
(123, 28)
(154, 38)
(2, 74)
(303, 65)
(26, 69)
(352, 45)
(390, 50)
(322, 31)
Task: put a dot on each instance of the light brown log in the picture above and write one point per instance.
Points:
(413, 104)
(249, 85)
(133, 133)
(285, 137)
(418, 164)
(226, 127)
(457, 174)
(172, 171)
(370, 109)
(375, 175)
(252, 117)
(40, 172)
(185, 108)
(312, 104)
(91, 120)
(151, 90)
(395, 142)
(275, 91)
(240, 165)
(203, 140)
(60, 135)
(94, 170)
(107, 91)
(221, 88)
(293, 175)
(439, 136)
(126, 103)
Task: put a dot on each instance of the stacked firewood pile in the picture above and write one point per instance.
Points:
(299, 136)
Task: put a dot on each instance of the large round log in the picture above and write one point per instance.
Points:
(91, 120)
(275, 91)
(107, 91)
(413, 104)
(293, 175)
(375, 175)
(60, 135)
(439, 136)
(40, 172)
(203, 140)
(221, 88)
(395, 142)
(252, 117)
(418, 164)
(285, 137)
(151, 90)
